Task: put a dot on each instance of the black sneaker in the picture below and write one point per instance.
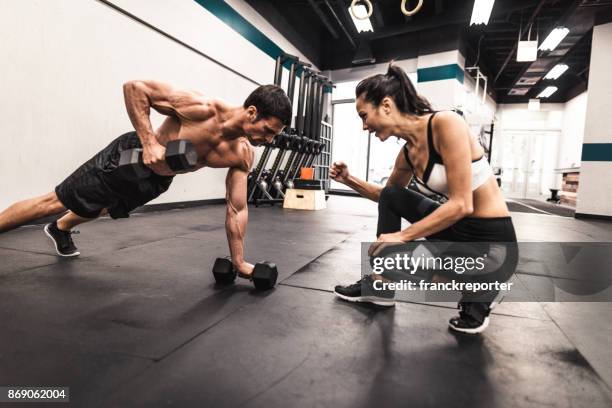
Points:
(64, 246)
(473, 317)
(363, 291)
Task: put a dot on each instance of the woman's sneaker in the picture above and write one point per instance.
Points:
(473, 317)
(64, 246)
(363, 291)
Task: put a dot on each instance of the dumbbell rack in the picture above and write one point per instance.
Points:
(307, 140)
(257, 185)
(323, 160)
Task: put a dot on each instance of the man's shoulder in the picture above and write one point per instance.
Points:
(246, 152)
(217, 105)
(238, 153)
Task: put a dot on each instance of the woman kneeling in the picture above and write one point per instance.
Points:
(445, 162)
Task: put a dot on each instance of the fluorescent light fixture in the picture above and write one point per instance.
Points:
(554, 38)
(481, 11)
(547, 92)
(556, 72)
(534, 105)
(527, 51)
(518, 91)
(361, 25)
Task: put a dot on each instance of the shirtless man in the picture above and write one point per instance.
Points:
(222, 136)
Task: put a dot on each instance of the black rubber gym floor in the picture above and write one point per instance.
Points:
(539, 207)
(137, 320)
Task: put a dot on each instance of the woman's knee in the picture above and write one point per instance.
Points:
(390, 194)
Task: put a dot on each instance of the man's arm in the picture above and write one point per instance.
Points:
(141, 96)
(237, 211)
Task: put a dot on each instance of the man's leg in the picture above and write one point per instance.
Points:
(71, 220)
(30, 209)
(60, 232)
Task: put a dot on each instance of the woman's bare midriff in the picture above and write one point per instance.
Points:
(488, 201)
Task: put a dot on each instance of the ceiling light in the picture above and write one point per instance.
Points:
(362, 25)
(481, 11)
(518, 91)
(554, 38)
(547, 92)
(534, 105)
(556, 72)
(527, 51)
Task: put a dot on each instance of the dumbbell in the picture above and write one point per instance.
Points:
(317, 149)
(180, 155)
(284, 141)
(264, 275)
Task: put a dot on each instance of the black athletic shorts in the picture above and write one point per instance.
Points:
(95, 186)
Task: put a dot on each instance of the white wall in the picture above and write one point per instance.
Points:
(595, 185)
(572, 134)
(64, 65)
(516, 116)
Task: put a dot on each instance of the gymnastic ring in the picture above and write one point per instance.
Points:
(413, 11)
(368, 4)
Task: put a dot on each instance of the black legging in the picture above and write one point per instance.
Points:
(396, 203)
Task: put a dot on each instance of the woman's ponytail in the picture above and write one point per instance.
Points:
(396, 85)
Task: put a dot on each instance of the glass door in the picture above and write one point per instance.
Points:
(350, 143)
(366, 157)
(382, 158)
(528, 160)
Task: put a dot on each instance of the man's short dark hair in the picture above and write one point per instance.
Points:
(270, 100)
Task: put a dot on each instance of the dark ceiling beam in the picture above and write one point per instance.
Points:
(502, 30)
(407, 46)
(523, 31)
(342, 5)
(339, 22)
(513, 38)
(597, 4)
(310, 49)
(324, 19)
(378, 17)
(415, 26)
(461, 16)
(496, 47)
